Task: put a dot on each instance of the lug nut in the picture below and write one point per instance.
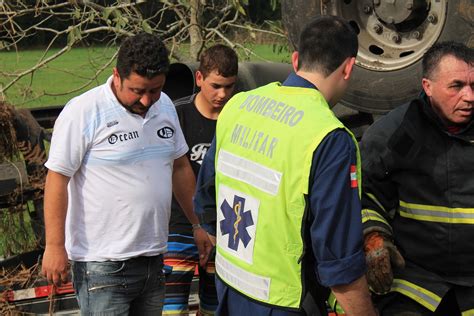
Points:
(409, 5)
(416, 35)
(376, 2)
(367, 9)
(432, 18)
(396, 38)
(378, 28)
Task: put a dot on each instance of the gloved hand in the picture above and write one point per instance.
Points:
(380, 255)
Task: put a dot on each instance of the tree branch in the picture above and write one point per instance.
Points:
(194, 23)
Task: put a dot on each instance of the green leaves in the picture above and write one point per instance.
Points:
(107, 12)
(114, 16)
(74, 35)
(239, 5)
(146, 27)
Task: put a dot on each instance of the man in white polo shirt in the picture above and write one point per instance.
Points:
(116, 154)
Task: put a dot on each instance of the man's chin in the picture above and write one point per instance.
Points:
(462, 121)
(137, 109)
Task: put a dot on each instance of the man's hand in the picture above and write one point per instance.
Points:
(354, 298)
(212, 239)
(380, 255)
(55, 265)
(203, 244)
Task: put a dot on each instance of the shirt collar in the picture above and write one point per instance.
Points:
(294, 80)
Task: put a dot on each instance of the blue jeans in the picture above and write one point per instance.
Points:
(131, 287)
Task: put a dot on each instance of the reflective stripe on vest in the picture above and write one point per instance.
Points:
(426, 298)
(439, 214)
(253, 284)
(257, 175)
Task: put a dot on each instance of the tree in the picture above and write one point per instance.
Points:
(59, 26)
(66, 24)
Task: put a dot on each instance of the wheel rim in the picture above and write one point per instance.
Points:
(393, 34)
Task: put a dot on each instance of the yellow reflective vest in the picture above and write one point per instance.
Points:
(265, 140)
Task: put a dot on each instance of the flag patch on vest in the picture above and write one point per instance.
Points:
(237, 222)
(353, 176)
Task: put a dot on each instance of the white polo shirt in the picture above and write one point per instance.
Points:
(120, 166)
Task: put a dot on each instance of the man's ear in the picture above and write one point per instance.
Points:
(426, 84)
(116, 77)
(348, 67)
(199, 78)
(294, 60)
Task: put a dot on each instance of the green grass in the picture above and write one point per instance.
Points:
(276, 53)
(49, 85)
(52, 84)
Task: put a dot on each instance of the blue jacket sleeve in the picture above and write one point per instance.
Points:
(336, 224)
(205, 196)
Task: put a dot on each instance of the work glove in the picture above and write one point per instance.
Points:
(381, 255)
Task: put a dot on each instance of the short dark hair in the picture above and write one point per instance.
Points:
(220, 58)
(325, 42)
(433, 56)
(144, 54)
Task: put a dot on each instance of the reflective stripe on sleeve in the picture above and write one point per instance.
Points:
(424, 297)
(371, 215)
(374, 199)
(468, 313)
(249, 283)
(252, 173)
(440, 214)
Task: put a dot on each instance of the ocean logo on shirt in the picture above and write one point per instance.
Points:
(165, 132)
(123, 137)
(237, 222)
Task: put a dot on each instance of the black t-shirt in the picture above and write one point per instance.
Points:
(198, 132)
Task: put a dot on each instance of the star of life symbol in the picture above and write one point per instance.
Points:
(237, 222)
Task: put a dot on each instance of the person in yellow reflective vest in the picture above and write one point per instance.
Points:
(282, 175)
(418, 199)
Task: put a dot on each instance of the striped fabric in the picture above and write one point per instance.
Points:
(181, 264)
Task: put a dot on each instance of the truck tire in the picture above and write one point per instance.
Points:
(393, 36)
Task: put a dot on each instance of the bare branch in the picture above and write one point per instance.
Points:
(34, 68)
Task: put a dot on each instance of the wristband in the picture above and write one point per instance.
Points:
(196, 226)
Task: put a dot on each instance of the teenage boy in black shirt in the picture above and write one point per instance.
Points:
(216, 78)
